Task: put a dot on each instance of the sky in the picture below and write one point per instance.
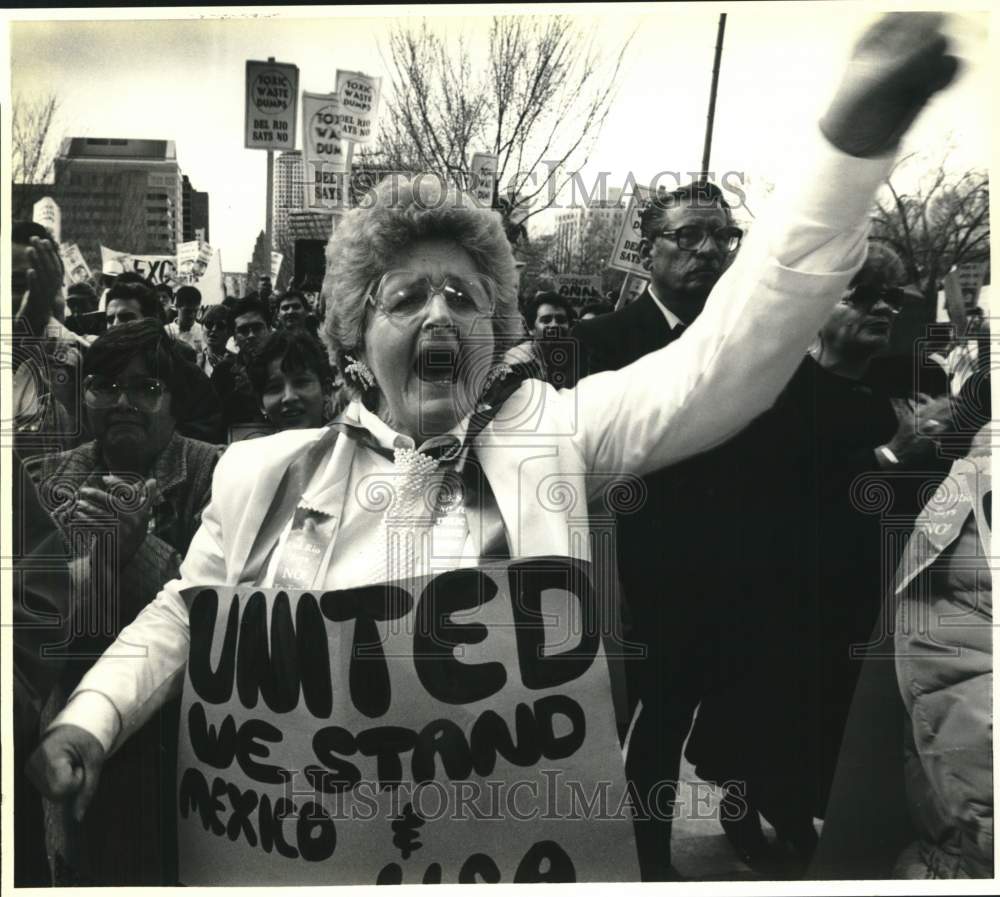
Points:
(183, 80)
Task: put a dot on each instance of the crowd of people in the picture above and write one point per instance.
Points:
(742, 385)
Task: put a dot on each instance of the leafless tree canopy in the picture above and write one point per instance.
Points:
(33, 138)
(944, 221)
(541, 96)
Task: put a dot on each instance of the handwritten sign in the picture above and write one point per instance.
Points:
(579, 287)
(75, 267)
(625, 256)
(359, 98)
(483, 173)
(155, 268)
(454, 728)
(272, 92)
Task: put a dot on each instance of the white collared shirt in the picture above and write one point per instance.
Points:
(672, 319)
(194, 337)
(358, 554)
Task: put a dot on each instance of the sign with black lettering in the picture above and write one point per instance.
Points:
(326, 186)
(482, 178)
(625, 256)
(455, 728)
(321, 129)
(155, 268)
(272, 94)
(359, 97)
(579, 287)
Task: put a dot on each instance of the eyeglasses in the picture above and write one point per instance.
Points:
(692, 236)
(251, 329)
(144, 393)
(865, 298)
(214, 325)
(404, 294)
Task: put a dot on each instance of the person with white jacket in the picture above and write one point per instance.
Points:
(421, 296)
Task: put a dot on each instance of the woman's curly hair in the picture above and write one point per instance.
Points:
(398, 212)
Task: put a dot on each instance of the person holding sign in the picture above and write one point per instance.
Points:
(421, 291)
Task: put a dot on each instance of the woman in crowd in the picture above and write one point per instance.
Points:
(218, 330)
(145, 484)
(421, 287)
(292, 377)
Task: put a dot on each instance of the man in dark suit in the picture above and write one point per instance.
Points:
(670, 551)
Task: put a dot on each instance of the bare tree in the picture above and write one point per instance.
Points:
(33, 138)
(943, 221)
(538, 101)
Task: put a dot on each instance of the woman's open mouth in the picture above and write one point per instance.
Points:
(437, 364)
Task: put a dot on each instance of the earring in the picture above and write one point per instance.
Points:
(359, 372)
(497, 373)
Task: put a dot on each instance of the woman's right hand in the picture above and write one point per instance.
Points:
(67, 766)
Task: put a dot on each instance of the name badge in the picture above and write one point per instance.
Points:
(305, 549)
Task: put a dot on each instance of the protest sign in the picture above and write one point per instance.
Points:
(625, 256)
(155, 268)
(276, 259)
(359, 98)
(211, 284)
(193, 259)
(75, 267)
(483, 173)
(368, 736)
(235, 283)
(970, 281)
(579, 287)
(326, 186)
(321, 131)
(272, 92)
(631, 289)
(954, 302)
(46, 212)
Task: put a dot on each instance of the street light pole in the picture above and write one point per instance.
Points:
(706, 154)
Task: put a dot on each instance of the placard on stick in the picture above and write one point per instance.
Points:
(359, 100)
(448, 729)
(75, 267)
(483, 171)
(272, 93)
(625, 256)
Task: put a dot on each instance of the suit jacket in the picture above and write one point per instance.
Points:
(669, 544)
(610, 342)
(548, 453)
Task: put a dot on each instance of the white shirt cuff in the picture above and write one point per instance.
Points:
(93, 712)
(840, 193)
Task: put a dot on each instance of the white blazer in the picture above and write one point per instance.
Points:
(546, 453)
